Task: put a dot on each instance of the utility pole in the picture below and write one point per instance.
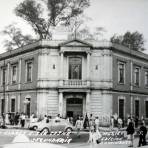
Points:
(131, 80)
(4, 92)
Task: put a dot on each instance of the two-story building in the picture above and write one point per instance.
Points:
(74, 78)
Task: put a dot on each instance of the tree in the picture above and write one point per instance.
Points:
(15, 38)
(133, 40)
(43, 18)
(86, 34)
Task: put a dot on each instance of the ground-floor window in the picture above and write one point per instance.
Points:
(12, 105)
(136, 108)
(28, 106)
(146, 109)
(2, 106)
(121, 108)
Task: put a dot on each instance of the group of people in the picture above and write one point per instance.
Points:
(92, 124)
(16, 118)
(116, 121)
(141, 132)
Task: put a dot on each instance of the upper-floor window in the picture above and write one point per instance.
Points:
(75, 68)
(29, 71)
(137, 76)
(121, 73)
(146, 78)
(14, 74)
(4, 75)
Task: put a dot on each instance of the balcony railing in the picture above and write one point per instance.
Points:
(75, 83)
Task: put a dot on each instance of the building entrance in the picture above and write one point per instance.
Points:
(74, 107)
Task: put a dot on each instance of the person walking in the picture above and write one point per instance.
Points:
(94, 136)
(78, 126)
(142, 135)
(130, 132)
(97, 124)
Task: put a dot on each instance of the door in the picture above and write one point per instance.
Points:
(74, 107)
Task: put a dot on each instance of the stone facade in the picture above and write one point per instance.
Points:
(73, 77)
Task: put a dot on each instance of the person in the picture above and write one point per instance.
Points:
(130, 131)
(94, 136)
(128, 120)
(48, 119)
(78, 126)
(120, 122)
(71, 120)
(22, 120)
(142, 120)
(142, 135)
(112, 122)
(86, 122)
(58, 116)
(97, 124)
(32, 117)
(45, 118)
(7, 119)
(16, 118)
(115, 119)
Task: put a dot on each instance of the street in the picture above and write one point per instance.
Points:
(25, 138)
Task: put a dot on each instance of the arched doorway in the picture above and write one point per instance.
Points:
(74, 107)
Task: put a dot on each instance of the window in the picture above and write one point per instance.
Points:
(14, 74)
(136, 108)
(75, 68)
(4, 76)
(146, 78)
(121, 73)
(12, 105)
(28, 71)
(146, 109)
(2, 105)
(121, 108)
(137, 76)
(28, 106)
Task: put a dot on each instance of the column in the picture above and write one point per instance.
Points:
(61, 103)
(61, 68)
(6, 104)
(18, 102)
(20, 71)
(88, 68)
(88, 103)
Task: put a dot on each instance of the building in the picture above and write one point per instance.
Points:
(74, 78)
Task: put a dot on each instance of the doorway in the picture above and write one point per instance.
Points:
(74, 107)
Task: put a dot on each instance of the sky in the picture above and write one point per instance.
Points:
(115, 16)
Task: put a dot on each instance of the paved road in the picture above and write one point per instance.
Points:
(7, 137)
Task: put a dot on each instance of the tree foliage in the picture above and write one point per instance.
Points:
(55, 12)
(86, 34)
(15, 37)
(133, 40)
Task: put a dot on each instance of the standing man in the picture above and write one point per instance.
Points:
(130, 132)
(142, 135)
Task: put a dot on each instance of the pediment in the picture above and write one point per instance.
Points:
(75, 43)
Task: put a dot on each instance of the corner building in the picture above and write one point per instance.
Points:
(74, 78)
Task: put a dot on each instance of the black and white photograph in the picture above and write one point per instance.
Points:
(73, 73)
